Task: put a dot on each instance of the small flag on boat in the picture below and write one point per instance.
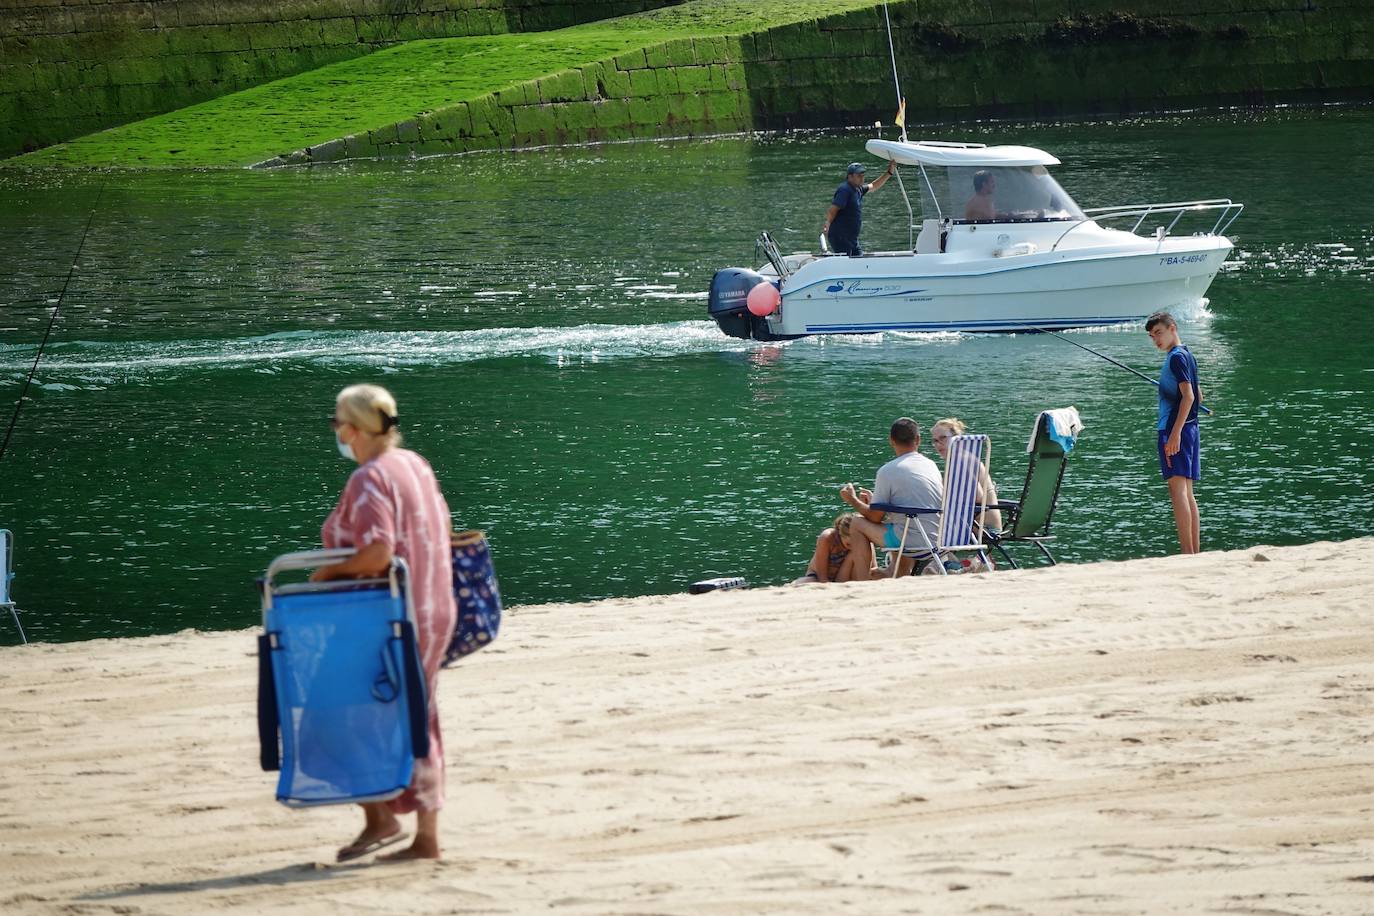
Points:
(900, 120)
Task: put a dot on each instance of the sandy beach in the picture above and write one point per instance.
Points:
(1170, 735)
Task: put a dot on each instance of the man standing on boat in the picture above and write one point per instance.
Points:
(845, 216)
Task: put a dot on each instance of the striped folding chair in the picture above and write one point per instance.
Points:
(959, 510)
(7, 576)
(960, 528)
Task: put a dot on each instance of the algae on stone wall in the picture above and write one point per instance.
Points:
(722, 65)
(599, 73)
(69, 68)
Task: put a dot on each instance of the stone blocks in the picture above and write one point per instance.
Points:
(72, 66)
(193, 50)
(568, 86)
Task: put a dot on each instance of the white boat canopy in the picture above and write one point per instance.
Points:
(973, 155)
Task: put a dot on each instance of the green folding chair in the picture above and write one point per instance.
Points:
(1027, 520)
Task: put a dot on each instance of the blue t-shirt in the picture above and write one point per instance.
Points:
(1179, 367)
(846, 224)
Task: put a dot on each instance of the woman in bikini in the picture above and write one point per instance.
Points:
(832, 549)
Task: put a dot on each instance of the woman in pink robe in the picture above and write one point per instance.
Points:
(392, 507)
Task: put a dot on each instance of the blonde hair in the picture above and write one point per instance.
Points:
(370, 409)
(842, 523)
(953, 423)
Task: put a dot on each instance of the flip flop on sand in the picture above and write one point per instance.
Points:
(356, 850)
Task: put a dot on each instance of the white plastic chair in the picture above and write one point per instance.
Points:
(6, 575)
(959, 510)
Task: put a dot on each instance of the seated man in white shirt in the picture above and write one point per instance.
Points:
(911, 479)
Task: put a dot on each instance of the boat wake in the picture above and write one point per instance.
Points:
(93, 365)
(116, 362)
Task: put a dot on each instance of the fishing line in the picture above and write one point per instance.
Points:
(52, 320)
(1080, 346)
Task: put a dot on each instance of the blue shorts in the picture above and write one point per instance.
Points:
(1188, 461)
(892, 536)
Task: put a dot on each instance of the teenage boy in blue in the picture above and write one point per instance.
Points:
(1180, 453)
(845, 217)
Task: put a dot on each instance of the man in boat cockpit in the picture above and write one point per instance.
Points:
(845, 216)
(980, 205)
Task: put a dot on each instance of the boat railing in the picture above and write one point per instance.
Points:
(951, 144)
(1227, 212)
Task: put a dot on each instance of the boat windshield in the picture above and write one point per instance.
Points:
(996, 194)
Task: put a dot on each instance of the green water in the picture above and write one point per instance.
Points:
(540, 318)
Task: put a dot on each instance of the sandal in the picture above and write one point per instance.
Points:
(356, 850)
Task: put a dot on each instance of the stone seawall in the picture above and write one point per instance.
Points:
(956, 58)
(70, 67)
(960, 58)
(678, 88)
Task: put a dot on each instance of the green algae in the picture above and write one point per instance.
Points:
(709, 66)
(72, 67)
(735, 17)
(391, 86)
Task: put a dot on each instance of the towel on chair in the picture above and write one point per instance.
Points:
(1065, 425)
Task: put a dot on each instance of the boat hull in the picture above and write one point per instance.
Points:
(928, 293)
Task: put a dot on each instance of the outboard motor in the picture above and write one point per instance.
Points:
(728, 302)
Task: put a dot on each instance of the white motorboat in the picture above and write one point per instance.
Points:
(1039, 262)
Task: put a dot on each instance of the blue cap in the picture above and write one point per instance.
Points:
(856, 168)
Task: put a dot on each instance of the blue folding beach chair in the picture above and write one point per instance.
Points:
(959, 509)
(342, 711)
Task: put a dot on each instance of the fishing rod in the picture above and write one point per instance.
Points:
(901, 123)
(896, 83)
(1122, 365)
(52, 320)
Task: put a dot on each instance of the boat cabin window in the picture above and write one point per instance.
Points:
(1001, 194)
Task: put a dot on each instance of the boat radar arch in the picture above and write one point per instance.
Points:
(973, 155)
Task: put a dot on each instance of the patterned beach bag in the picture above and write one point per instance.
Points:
(477, 594)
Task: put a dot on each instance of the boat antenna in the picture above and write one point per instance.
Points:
(1080, 346)
(19, 404)
(892, 53)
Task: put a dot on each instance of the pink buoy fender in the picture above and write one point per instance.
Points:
(764, 299)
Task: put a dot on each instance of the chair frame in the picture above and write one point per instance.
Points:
(947, 541)
(6, 577)
(1012, 509)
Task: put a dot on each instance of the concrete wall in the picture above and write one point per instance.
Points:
(71, 67)
(956, 58)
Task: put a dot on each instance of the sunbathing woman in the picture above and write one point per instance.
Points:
(944, 430)
(832, 549)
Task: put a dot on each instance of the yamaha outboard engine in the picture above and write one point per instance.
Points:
(728, 302)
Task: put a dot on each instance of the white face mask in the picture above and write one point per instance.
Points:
(344, 448)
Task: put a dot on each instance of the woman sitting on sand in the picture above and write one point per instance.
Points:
(944, 430)
(392, 507)
(832, 549)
